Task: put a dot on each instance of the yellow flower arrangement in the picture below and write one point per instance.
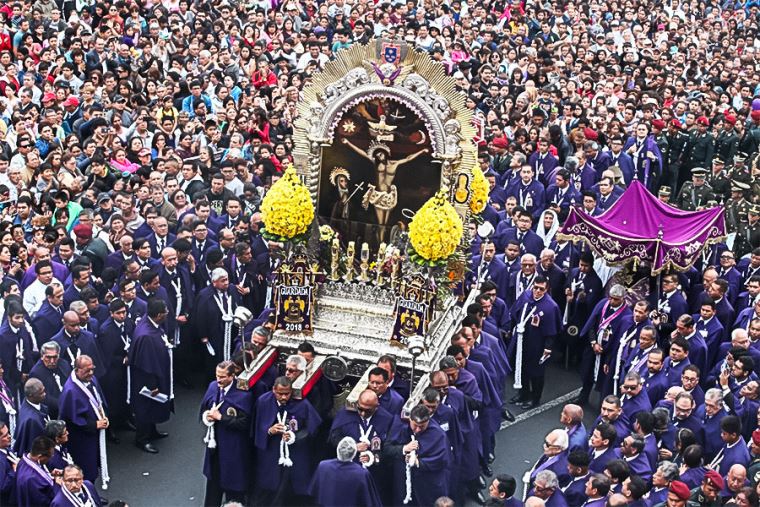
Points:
(287, 210)
(435, 231)
(479, 187)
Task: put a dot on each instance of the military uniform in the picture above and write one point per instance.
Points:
(736, 214)
(692, 197)
(726, 144)
(699, 152)
(747, 238)
(668, 177)
(750, 140)
(676, 154)
(721, 184)
(698, 498)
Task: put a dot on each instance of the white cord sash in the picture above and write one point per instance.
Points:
(170, 348)
(520, 328)
(42, 471)
(227, 319)
(284, 445)
(97, 406)
(624, 341)
(7, 402)
(412, 459)
(364, 437)
(210, 438)
(177, 284)
(127, 342)
(75, 500)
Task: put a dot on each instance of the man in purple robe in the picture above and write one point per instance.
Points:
(32, 416)
(52, 373)
(47, 321)
(342, 482)
(369, 425)
(8, 462)
(82, 407)
(214, 308)
(421, 449)
(16, 350)
(150, 363)
(75, 341)
(282, 430)
(76, 490)
(114, 340)
(632, 451)
(537, 322)
(608, 320)
(390, 400)
(34, 485)
(734, 450)
(226, 411)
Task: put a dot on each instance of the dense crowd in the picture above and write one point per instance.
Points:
(138, 139)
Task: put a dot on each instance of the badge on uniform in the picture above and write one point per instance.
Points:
(293, 425)
(232, 412)
(445, 427)
(535, 321)
(375, 444)
(703, 332)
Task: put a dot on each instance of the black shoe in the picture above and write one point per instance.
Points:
(507, 415)
(527, 405)
(481, 482)
(147, 448)
(487, 470)
(516, 399)
(130, 425)
(157, 435)
(104, 500)
(480, 498)
(491, 458)
(111, 437)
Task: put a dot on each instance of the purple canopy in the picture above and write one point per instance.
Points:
(639, 227)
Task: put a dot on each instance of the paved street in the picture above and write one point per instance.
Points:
(173, 477)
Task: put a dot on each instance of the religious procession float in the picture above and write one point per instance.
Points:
(371, 217)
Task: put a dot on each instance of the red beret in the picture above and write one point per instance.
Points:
(591, 135)
(676, 123)
(730, 119)
(702, 120)
(680, 489)
(83, 231)
(755, 114)
(499, 142)
(714, 478)
(756, 437)
(658, 124)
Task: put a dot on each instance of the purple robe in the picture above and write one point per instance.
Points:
(303, 421)
(472, 444)
(540, 330)
(84, 343)
(32, 489)
(74, 407)
(7, 479)
(693, 476)
(29, 425)
(429, 480)
(114, 353)
(46, 323)
(61, 500)
(150, 367)
(729, 456)
(339, 484)
(232, 436)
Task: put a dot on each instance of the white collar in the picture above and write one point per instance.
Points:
(37, 406)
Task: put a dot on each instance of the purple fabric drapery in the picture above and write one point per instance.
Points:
(639, 227)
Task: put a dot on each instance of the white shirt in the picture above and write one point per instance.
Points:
(34, 296)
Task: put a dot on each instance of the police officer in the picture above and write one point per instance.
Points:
(748, 235)
(727, 142)
(677, 141)
(718, 179)
(738, 207)
(695, 193)
(750, 139)
(701, 145)
(739, 171)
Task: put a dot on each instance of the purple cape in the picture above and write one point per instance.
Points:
(60, 499)
(149, 363)
(30, 425)
(268, 472)
(339, 484)
(75, 409)
(232, 436)
(31, 489)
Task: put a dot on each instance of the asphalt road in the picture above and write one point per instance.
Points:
(173, 477)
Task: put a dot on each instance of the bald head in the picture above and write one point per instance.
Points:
(534, 501)
(70, 318)
(571, 414)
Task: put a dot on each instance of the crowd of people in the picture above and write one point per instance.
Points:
(138, 139)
